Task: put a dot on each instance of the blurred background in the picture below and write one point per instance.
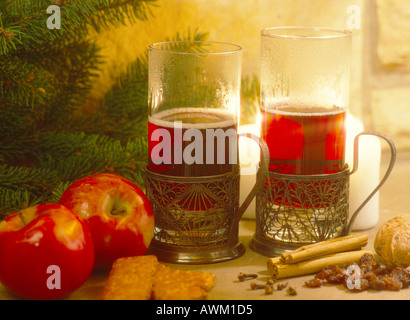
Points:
(380, 80)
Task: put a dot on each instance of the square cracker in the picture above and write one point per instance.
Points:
(131, 278)
(144, 278)
(171, 284)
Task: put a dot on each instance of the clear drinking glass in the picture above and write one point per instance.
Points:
(305, 74)
(194, 88)
(192, 178)
(305, 78)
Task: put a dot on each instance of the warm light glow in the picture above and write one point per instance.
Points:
(367, 176)
(353, 127)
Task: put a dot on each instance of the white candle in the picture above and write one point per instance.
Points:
(366, 178)
(249, 157)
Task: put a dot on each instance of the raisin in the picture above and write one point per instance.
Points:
(372, 276)
(364, 285)
(324, 273)
(402, 275)
(369, 276)
(392, 283)
(386, 283)
(369, 266)
(331, 273)
(313, 283)
(366, 258)
(336, 278)
(382, 270)
(377, 283)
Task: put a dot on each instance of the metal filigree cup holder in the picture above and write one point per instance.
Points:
(295, 210)
(197, 218)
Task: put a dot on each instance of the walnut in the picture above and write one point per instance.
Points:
(392, 241)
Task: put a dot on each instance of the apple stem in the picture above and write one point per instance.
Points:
(119, 212)
(21, 215)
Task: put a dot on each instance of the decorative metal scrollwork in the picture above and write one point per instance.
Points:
(193, 211)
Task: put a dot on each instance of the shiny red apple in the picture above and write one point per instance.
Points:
(46, 252)
(117, 213)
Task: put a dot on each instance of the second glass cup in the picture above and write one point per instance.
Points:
(305, 79)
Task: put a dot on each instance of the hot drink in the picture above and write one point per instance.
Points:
(192, 142)
(304, 140)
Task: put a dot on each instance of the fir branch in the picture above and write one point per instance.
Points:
(44, 144)
(12, 201)
(189, 36)
(73, 81)
(19, 151)
(75, 155)
(250, 93)
(58, 191)
(116, 12)
(22, 83)
(24, 30)
(36, 181)
(123, 112)
(24, 23)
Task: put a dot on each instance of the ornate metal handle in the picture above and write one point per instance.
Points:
(260, 178)
(355, 166)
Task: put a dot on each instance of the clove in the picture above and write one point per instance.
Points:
(281, 286)
(268, 289)
(246, 276)
(256, 286)
(292, 291)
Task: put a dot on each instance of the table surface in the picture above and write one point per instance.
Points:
(394, 200)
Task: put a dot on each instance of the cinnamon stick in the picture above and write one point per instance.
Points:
(280, 270)
(311, 251)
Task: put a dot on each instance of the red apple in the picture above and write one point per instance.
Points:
(116, 211)
(46, 252)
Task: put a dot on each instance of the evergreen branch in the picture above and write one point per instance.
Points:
(117, 11)
(34, 180)
(75, 155)
(58, 191)
(25, 22)
(22, 83)
(130, 162)
(19, 150)
(74, 79)
(188, 36)
(75, 10)
(62, 159)
(179, 41)
(44, 144)
(12, 201)
(250, 93)
(25, 31)
(123, 112)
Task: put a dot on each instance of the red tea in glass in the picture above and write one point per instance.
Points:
(304, 140)
(203, 123)
(215, 131)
